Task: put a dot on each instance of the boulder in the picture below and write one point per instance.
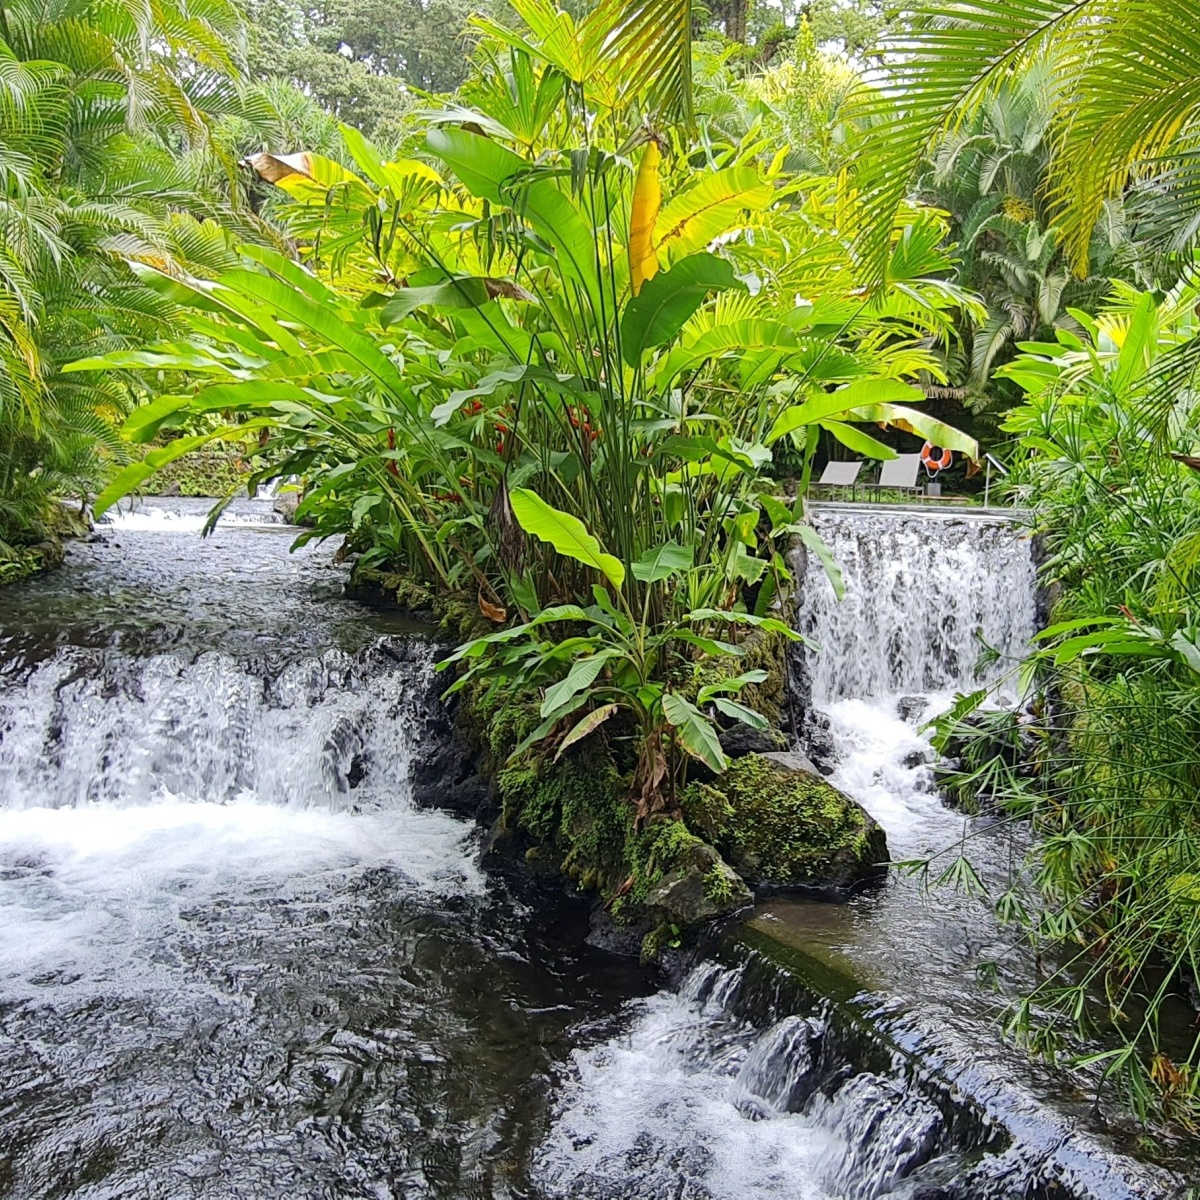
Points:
(285, 504)
(700, 887)
(739, 740)
(780, 825)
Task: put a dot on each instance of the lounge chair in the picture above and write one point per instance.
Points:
(899, 474)
(840, 475)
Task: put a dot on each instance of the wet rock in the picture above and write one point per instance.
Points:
(791, 760)
(817, 739)
(700, 888)
(445, 770)
(740, 740)
(779, 824)
(285, 504)
(605, 934)
(910, 708)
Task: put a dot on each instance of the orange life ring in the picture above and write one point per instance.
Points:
(935, 458)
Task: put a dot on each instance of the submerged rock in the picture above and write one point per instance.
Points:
(779, 824)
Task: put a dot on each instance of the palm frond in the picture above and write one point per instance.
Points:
(958, 56)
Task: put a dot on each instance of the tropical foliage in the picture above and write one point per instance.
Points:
(519, 365)
(550, 341)
(105, 157)
(1104, 441)
(991, 173)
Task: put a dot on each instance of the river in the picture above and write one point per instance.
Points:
(237, 961)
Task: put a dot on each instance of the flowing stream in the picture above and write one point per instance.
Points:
(236, 960)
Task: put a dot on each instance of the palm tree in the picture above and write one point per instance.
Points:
(1126, 109)
(991, 172)
(106, 112)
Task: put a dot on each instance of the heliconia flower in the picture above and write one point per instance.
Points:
(647, 200)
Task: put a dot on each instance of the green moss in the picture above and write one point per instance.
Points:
(658, 939)
(201, 474)
(578, 814)
(456, 614)
(19, 562)
(706, 809)
(661, 847)
(786, 827)
(721, 883)
(761, 650)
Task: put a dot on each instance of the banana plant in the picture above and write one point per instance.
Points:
(618, 663)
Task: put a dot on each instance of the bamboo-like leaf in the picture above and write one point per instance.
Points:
(730, 686)
(815, 543)
(581, 676)
(724, 616)
(662, 562)
(131, 477)
(742, 713)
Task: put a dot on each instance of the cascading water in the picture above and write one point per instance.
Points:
(925, 595)
(696, 1101)
(933, 603)
(715, 1091)
(236, 960)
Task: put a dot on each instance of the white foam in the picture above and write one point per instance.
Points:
(662, 1112)
(129, 731)
(134, 791)
(884, 762)
(162, 517)
(922, 597)
(88, 894)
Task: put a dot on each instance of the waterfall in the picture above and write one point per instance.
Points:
(188, 514)
(708, 1094)
(924, 596)
(237, 959)
(107, 728)
(134, 789)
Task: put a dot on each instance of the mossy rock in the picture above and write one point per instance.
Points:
(699, 887)
(394, 589)
(203, 474)
(574, 816)
(781, 825)
(19, 562)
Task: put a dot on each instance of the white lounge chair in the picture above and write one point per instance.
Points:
(899, 474)
(841, 474)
